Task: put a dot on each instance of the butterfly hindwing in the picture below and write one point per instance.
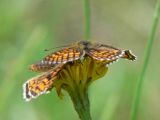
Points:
(41, 84)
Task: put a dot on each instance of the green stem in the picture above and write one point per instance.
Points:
(87, 31)
(81, 102)
(136, 101)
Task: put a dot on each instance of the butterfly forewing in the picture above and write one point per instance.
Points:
(63, 56)
(41, 84)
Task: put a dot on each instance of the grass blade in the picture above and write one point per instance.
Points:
(148, 50)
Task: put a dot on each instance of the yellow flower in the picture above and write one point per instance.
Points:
(80, 73)
(75, 78)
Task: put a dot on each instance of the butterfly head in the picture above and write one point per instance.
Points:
(84, 44)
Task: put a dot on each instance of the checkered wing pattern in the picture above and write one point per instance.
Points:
(109, 54)
(105, 53)
(60, 57)
(63, 56)
(41, 84)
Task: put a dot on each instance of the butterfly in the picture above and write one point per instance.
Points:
(52, 64)
(78, 50)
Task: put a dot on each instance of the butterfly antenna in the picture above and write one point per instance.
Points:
(54, 48)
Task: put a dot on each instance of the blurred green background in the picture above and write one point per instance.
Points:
(27, 27)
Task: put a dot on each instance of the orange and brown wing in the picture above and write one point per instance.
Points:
(41, 84)
(62, 56)
(109, 54)
(39, 67)
(104, 52)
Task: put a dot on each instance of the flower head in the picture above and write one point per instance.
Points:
(80, 73)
